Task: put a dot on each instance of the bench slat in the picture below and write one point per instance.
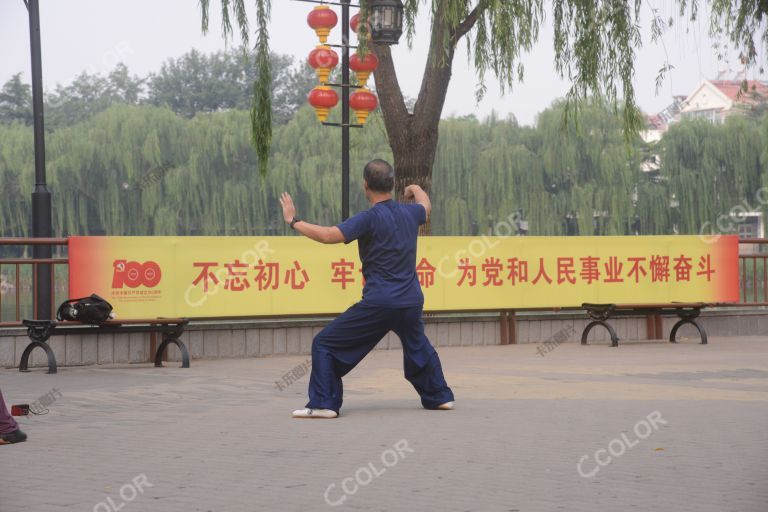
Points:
(141, 321)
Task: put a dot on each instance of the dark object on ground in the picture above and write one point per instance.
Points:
(17, 436)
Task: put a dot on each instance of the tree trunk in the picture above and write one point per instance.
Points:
(413, 136)
(413, 164)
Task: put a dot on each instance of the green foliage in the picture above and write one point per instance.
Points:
(261, 107)
(715, 168)
(89, 94)
(196, 83)
(191, 84)
(743, 22)
(547, 171)
(16, 101)
(144, 170)
(594, 42)
(261, 110)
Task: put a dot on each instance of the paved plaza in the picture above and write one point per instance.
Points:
(648, 426)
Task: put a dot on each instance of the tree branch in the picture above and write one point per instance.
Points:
(437, 74)
(470, 21)
(396, 116)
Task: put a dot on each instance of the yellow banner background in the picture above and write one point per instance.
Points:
(314, 278)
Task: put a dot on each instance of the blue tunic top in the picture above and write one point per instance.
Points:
(386, 236)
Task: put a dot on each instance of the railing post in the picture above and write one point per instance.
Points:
(512, 322)
(503, 328)
(650, 327)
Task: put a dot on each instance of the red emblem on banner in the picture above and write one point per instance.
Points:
(134, 274)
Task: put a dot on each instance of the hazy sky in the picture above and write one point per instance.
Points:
(94, 35)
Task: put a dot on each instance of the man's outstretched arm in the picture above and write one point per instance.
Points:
(416, 193)
(322, 234)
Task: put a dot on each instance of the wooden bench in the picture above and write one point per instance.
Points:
(39, 331)
(686, 311)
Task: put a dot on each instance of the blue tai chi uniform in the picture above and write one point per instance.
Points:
(392, 301)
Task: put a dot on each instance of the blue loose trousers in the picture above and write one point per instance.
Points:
(347, 340)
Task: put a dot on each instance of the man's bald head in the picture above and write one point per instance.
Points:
(380, 176)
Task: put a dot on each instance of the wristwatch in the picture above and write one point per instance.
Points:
(294, 221)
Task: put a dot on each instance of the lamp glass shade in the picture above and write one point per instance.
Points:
(386, 21)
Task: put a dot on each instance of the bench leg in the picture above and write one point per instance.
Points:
(167, 340)
(585, 334)
(24, 364)
(693, 322)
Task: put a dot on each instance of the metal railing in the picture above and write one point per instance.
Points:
(753, 272)
(753, 276)
(20, 290)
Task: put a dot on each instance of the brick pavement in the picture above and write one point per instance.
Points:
(218, 437)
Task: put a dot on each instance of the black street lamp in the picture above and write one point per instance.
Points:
(572, 224)
(42, 225)
(521, 225)
(386, 21)
(674, 205)
(599, 219)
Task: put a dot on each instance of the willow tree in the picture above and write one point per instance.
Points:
(594, 42)
(145, 170)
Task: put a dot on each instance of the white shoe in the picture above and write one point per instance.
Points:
(447, 406)
(315, 413)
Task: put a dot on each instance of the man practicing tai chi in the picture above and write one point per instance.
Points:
(392, 297)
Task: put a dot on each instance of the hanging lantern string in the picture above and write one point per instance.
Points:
(323, 25)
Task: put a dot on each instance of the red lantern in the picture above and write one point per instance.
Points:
(363, 102)
(354, 24)
(363, 67)
(322, 19)
(323, 99)
(323, 60)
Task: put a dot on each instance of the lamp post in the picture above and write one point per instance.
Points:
(674, 205)
(572, 224)
(521, 225)
(386, 27)
(41, 196)
(598, 221)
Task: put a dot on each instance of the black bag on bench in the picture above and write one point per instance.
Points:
(88, 310)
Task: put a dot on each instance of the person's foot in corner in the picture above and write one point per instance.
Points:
(315, 413)
(17, 436)
(447, 406)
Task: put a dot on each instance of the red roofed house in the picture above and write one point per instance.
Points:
(715, 100)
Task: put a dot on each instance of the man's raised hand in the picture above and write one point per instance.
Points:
(417, 194)
(289, 210)
(410, 192)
